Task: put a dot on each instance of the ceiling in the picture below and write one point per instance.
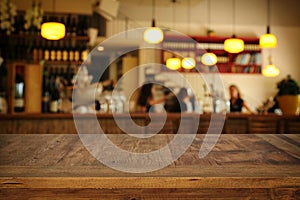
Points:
(248, 12)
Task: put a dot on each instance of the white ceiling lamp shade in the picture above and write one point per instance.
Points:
(153, 35)
(209, 59)
(188, 63)
(233, 44)
(53, 30)
(173, 63)
(268, 40)
(270, 70)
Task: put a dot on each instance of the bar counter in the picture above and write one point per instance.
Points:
(64, 123)
(240, 166)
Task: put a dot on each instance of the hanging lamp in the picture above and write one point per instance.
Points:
(53, 30)
(233, 44)
(188, 62)
(153, 35)
(268, 40)
(209, 58)
(270, 70)
(173, 63)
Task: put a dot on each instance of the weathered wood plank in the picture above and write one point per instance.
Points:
(148, 182)
(136, 194)
(279, 143)
(240, 165)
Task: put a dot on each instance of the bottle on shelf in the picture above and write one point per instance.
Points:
(3, 103)
(55, 101)
(19, 24)
(46, 92)
(53, 51)
(84, 52)
(73, 27)
(62, 75)
(77, 52)
(56, 72)
(19, 104)
(46, 50)
(72, 40)
(65, 55)
(68, 25)
(85, 25)
(58, 52)
(20, 49)
(70, 51)
(69, 75)
(35, 51)
(39, 50)
(79, 30)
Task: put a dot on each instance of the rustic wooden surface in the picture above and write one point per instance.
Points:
(64, 123)
(253, 166)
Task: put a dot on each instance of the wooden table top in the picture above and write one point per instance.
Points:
(236, 161)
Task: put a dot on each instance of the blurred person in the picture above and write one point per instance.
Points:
(146, 99)
(180, 102)
(236, 102)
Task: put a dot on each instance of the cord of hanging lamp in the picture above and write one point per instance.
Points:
(233, 44)
(153, 34)
(209, 58)
(176, 63)
(270, 70)
(173, 63)
(269, 41)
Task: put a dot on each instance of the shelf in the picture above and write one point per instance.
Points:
(64, 62)
(226, 61)
(38, 36)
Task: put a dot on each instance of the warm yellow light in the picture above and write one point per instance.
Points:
(53, 30)
(209, 59)
(267, 40)
(270, 71)
(234, 45)
(153, 35)
(173, 63)
(188, 63)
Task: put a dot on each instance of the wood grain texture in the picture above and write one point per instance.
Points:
(64, 123)
(57, 166)
(137, 194)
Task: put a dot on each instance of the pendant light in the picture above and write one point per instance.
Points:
(209, 58)
(173, 63)
(270, 70)
(188, 62)
(153, 35)
(233, 44)
(268, 40)
(53, 30)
